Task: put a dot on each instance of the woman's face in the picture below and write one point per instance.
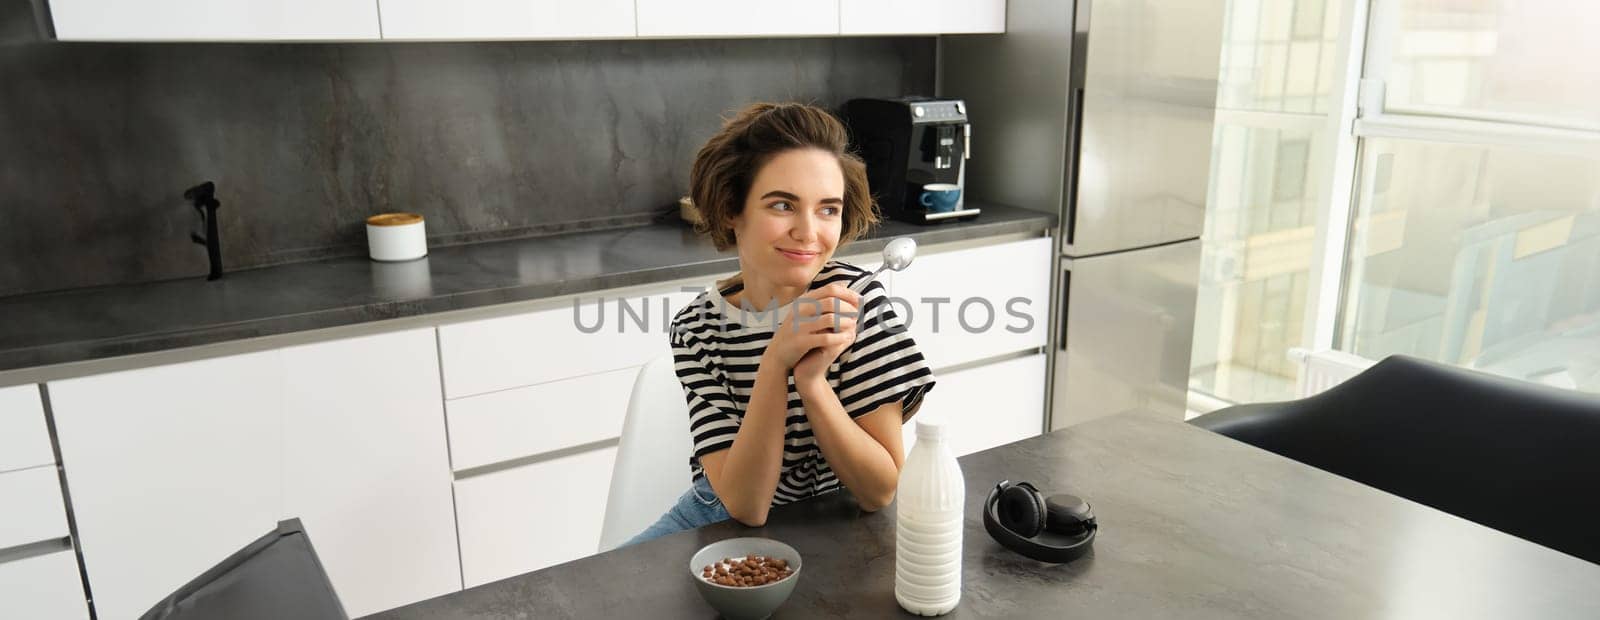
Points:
(791, 219)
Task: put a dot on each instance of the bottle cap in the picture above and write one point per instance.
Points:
(930, 429)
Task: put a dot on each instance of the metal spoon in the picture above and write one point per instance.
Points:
(897, 255)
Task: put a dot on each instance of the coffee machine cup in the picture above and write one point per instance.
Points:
(940, 197)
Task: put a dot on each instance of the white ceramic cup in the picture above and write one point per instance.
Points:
(395, 237)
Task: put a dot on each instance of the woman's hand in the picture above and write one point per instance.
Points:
(812, 368)
(823, 322)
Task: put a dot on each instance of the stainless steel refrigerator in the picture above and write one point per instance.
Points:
(1102, 111)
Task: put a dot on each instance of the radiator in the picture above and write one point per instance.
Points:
(1323, 369)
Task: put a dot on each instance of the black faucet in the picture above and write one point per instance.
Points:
(206, 203)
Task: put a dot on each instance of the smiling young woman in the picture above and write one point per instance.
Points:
(781, 410)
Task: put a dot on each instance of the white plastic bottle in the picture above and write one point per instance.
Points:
(929, 503)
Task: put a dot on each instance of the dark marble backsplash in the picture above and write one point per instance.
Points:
(306, 140)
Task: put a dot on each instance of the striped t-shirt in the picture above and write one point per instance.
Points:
(716, 359)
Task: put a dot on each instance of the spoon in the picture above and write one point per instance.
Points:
(897, 255)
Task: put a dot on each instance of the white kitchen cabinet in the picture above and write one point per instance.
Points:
(214, 20)
(869, 17)
(987, 406)
(735, 18)
(351, 20)
(526, 518)
(971, 16)
(595, 332)
(510, 424)
(24, 439)
(171, 469)
(1001, 292)
(507, 19)
(43, 586)
(34, 511)
(366, 467)
(354, 20)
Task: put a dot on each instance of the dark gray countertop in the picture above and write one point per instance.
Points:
(88, 324)
(1193, 525)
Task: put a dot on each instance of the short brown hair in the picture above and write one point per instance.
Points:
(727, 164)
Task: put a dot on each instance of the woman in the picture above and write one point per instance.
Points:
(788, 404)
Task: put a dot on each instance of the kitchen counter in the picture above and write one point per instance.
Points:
(106, 322)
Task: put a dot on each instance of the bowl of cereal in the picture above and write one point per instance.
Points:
(745, 578)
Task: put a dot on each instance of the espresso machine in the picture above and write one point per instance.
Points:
(909, 143)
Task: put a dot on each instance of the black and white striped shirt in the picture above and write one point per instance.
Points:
(716, 359)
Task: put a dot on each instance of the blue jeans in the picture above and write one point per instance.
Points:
(697, 506)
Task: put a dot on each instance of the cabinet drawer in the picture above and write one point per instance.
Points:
(24, 441)
(33, 507)
(526, 349)
(987, 406)
(1011, 279)
(526, 518)
(500, 426)
(45, 586)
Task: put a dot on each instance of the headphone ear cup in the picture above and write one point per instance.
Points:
(1067, 515)
(1022, 510)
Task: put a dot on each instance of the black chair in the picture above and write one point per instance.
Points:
(277, 576)
(1518, 457)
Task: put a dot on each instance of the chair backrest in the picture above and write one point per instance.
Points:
(276, 576)
(1514, 456)
(652, 467)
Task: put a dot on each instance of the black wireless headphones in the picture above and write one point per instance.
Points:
(1056, 529)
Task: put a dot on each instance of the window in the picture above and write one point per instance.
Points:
(1268, 173)
(1476, 231)
(1528, 63)
(1486, 257)
(1451, 207)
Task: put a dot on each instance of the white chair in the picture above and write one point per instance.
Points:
(652, 467)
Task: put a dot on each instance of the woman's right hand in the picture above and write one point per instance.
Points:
(813, 323)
